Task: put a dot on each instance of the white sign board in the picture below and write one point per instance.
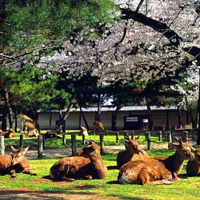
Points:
(131, 119)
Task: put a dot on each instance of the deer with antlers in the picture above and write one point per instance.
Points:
(156, 170)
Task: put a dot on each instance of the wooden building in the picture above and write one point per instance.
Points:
(128, 118)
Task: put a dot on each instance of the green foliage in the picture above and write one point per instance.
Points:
(28, 23)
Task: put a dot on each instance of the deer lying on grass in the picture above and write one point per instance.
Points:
(29, 126)
(7, 134)
(193, 167)
(131, 149)
(51, 134)
(32, 133)
(156, 170)
(15, 163)
(98, 127)
(88, 164)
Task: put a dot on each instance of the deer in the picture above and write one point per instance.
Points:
(7, 134)
(51, 134)
(32, 133)
(88, 165)
(15, 163)
(156, 170)
(83, 131)
(98, 127)
(193, 167)
(131, 149)
(29, 126)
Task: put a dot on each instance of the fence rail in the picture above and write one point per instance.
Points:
(163, 135)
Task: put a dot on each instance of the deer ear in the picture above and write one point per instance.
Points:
(137, 137)
(179, 140)
(172, 146)
(13, 148)
(25, 150)
(126, 140)
(193, 149)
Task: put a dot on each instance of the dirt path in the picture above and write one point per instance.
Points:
(59, 153)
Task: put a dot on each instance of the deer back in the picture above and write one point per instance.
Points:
(193, 167)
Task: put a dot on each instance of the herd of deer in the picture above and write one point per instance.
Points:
(135, 165)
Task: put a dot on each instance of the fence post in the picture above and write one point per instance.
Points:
(160, 135)
(73, 143)
(101, 137)
(21, 142)
(43, 140)
(193, 135)
(40, 145)
(83, 139)
(185, 136)
(169, 134)
(132, 134)
(148, 140)
(2, 147)
(117, 137)
(126, 134)
(63, 138)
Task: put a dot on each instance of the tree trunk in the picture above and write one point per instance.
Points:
(98, 115)
(179, 117)
(149, 114)
(4, 122)
(114, 117)
(85, 121)
(15, 121)
(9, 109)
(66, 114)
(35, 118)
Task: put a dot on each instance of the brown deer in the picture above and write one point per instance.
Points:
(15, 163)
(88, 164)
(193, 167)
(131, 149)
(156, 170)
(29, 126)
(98, 127)
(7, 134)
(32, 133)
(83, 131)
(51, 134)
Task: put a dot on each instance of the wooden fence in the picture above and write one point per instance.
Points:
(163, 135)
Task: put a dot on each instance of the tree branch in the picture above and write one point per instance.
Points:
(160, 27)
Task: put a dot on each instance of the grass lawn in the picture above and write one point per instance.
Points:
(109, 188)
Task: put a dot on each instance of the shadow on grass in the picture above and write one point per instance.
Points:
(112, 167)
(113, 182)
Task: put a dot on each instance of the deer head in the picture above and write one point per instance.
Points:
(183, 150)
(89, 149)
(131, 145)
(17, 155)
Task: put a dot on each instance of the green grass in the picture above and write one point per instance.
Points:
(186, 188)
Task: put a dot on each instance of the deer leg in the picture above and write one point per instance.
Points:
(68, 179)
(175, 177)
(144, 176)
(161, 182)
(28, 171)
(13, 173)
(88, 177)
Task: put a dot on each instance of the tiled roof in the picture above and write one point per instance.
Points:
(109, 108)
(124, 108)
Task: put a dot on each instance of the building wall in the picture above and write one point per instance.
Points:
(74, 121)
